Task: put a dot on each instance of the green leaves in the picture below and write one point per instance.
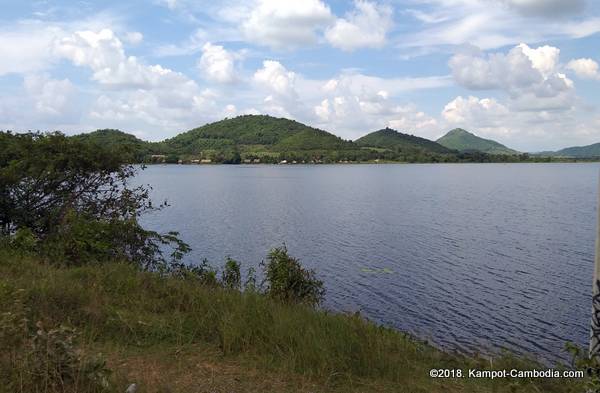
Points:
(286, 280)
(74, 199)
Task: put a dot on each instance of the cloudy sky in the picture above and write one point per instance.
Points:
(523, 72)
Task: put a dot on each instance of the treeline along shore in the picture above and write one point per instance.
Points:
(90, 301)
(261, 139)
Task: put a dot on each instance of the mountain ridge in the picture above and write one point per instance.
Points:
(465, 141)
(389, 138)
(263, 138)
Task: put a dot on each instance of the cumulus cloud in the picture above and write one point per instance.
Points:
(275, 77)
(286, 24)
(584, 68)
(217, 64)
(357, 104)
(49, 104)
(484, 112)
(134, 91)
(50, 96)
(366, 26)
(529, 75)
(532, 130)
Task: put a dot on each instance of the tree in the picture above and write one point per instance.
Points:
(75, 198)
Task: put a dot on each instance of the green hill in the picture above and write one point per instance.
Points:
(464, 141)
(255, 131)
(588, 151)
(388, 138)
(119, 140)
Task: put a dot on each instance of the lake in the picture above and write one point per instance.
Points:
(471, 257)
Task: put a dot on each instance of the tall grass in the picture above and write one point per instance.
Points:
(116, 303)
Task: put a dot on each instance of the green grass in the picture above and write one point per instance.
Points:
(156, 321)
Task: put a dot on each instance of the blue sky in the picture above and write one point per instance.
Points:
(523, 72)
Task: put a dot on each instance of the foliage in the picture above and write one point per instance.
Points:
(45, 359)
(392, 139)
(580, 360)
(464, 141)
(129, 147)
(74, 202)
(592, 150)
(271, 140)
(231, 277)
(287, 281)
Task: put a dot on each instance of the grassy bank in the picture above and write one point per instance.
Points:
(173, 335)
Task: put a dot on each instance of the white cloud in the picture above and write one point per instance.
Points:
(357, 104)
(492, 24)
(217, 64)
(584, 68)
(275, 77)
(286, 24)
(134, 37)
(50, 96)
(530, 130)
(103, 53)
(547, 8)
(135, 93)
(27, 48)
(484, 112)
(528, 75)
(366, 26)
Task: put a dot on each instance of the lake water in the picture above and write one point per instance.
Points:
(470, 257)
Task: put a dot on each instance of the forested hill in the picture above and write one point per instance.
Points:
(464, 141)
(388, 138)
(138, 149)
(579, 151)
(271, 133)
(267, 139)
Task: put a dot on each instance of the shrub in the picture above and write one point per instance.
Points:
(231, 277)
(286, 280)
(72, 200)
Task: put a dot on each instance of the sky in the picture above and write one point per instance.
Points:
(522, 72)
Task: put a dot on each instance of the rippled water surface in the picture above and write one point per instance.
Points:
(470, 257)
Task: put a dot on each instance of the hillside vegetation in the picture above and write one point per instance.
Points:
(579, 151)
(388, 138)
(267, 139)
(117, 140)
(464, 141)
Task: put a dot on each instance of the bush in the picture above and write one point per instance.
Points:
(231, 277)
(72, 200)
(287, 281)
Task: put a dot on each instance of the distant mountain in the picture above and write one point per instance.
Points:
(464, 141)
(589, 151)
(267, 139)
(270, 133)
(388, 138)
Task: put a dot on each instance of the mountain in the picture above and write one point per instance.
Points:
(588, 151)
(119, 140)
(388, 138)
(464, 141)
(256, 132)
